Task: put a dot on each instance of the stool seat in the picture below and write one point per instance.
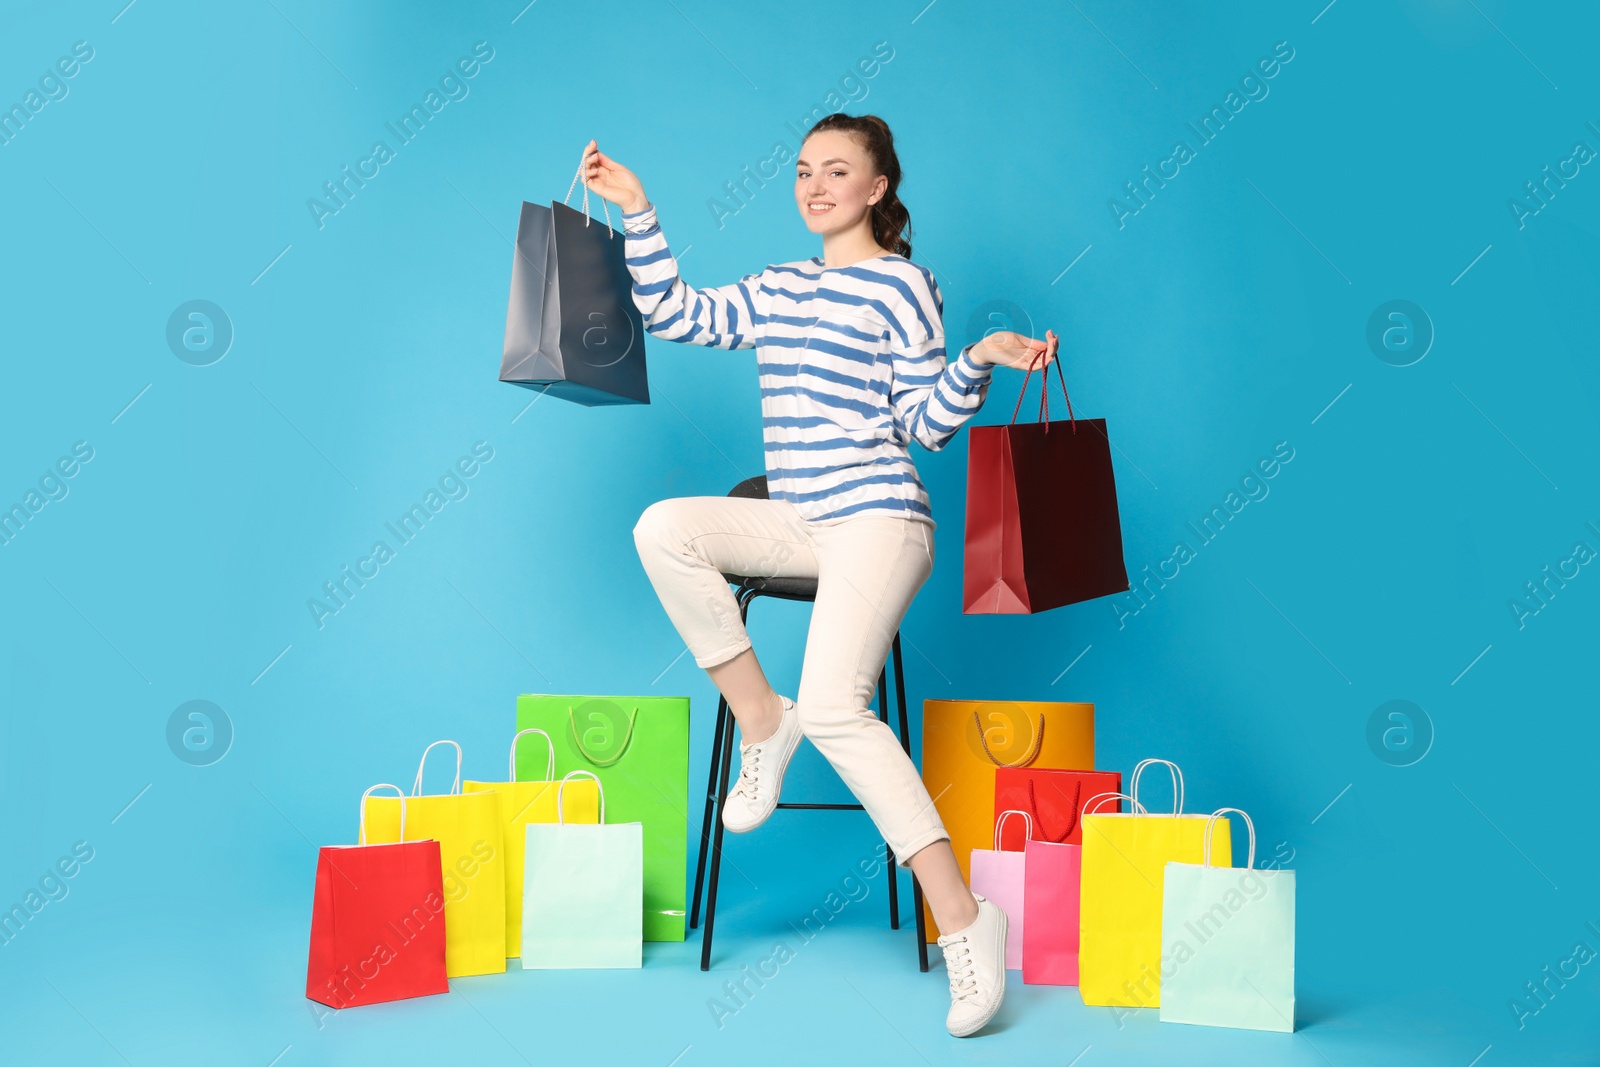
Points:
(784, 587)
(779, 586)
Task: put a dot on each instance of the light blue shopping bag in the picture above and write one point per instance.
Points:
(583, 891)
(1227, 942)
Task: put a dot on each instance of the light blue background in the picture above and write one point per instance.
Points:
(1224, 317)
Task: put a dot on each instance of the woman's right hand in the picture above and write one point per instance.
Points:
(610, 179)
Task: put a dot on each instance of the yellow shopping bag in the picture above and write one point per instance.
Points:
(964, 741)
(472, 856)
(522, 803)
(1125, 855)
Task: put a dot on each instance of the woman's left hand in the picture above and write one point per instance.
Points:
(1006, 349)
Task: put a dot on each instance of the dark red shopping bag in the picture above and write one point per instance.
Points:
(377, 921)
(1042, 523)
(1054, 799)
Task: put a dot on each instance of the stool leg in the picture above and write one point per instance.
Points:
(893, 873)
(905, 741)
(711, 811)
(725, 759)
(922, 925)
(720, 795)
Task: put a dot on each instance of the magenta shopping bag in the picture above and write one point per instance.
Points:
(1050, 896)
(999, 876)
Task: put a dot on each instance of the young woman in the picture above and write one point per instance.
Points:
(850, 351)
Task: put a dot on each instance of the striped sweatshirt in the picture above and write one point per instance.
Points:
(852, 369)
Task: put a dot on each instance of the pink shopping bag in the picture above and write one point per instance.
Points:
(1053, 874)
(999, 876)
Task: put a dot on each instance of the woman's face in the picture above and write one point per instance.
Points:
(834, 183)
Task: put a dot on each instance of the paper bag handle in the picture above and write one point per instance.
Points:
(1098, 797)
(586, 216)
(416, 788)
(1044, 397)
(549, 763)
(362, 839)
(560, 811)
(1250, 863)
(1072, 824)
(1000, 823)
(1177, 781)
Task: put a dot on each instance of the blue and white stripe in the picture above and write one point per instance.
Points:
(852, 369)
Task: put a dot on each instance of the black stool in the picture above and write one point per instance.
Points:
(711, 830)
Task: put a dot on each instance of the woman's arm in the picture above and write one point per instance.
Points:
(724, 317)
(932, 396)
(721, 317)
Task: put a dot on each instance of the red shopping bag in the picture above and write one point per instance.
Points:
(1042, 523)
(1054, 798)
(377, 920)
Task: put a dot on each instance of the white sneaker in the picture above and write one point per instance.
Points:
(975, 959)
(761, 767)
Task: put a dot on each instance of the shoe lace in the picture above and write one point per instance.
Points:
(749, 764)
(958, 964)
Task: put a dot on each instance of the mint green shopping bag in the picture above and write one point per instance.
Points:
(1227, 942)
(583, 891)
(638, 747)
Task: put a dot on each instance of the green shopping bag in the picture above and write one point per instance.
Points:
(583, 891)
(1227, 935)
(638, 747)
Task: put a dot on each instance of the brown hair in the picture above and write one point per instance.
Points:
(891, 222)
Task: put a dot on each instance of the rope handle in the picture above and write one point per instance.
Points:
(999, 825)
(1177, 781)
(362, 838)
(1250, 863)
(1033, 754)
(1072, 824)
(549, 763)
(416, 788)
(1044, 397)
(560, 811)
(577, 742)
(603, 202)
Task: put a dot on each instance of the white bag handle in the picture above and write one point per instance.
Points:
(1249, 863)
(1092, 801)
(560, 812)
(1177, 781)
(361, 840)
(603, 202)
(550, 763)
(416, 789)
(1001, 821)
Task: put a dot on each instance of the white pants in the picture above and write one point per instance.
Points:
(868, 569)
